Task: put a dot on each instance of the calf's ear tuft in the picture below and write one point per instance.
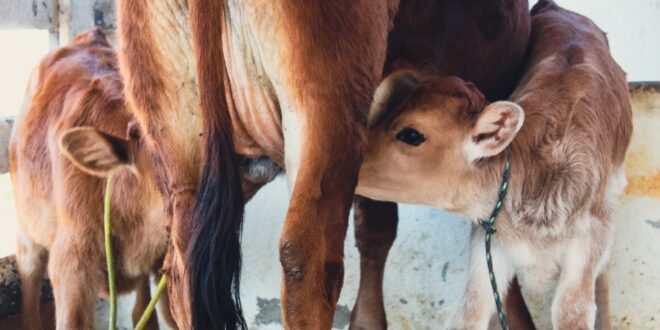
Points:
(391, 92)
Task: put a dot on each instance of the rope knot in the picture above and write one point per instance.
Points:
(489, 227)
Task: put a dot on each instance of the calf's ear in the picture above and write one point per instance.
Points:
(391, 92)
(95, 152)
(496, 127)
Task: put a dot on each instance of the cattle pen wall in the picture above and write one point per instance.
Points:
(427, 268)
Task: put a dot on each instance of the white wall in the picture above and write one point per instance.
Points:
(633, 29)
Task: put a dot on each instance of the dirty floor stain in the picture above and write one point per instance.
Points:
(654, 224)
(269, 313)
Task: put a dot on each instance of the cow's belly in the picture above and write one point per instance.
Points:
(251, 96)
(251, 53)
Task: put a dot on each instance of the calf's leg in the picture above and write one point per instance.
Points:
(517, 312)
(478, 304)
(603, 318)
(574, 304)
(31, 260)
(142, 299)
(375, 231)
(76, 280)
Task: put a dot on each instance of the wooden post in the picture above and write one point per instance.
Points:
(5, 133)
(64, 19)
(79, 15)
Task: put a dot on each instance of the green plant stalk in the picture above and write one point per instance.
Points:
(108, 255)
(162, 284)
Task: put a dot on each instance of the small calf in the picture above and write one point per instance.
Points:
(57, 170)
(437, 142)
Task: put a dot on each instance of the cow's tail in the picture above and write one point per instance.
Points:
(213, 259)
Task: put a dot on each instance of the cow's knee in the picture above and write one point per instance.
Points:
(293, 260)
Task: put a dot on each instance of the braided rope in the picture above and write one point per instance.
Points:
(489, 226)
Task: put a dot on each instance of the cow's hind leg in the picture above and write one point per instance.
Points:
(375, 231)
(312, 241)
(31, 259)
(330, 69)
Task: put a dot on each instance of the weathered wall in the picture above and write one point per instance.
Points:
(28, 14)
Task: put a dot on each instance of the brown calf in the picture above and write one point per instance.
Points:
(438, 142)
(483, 41)
(58, 169)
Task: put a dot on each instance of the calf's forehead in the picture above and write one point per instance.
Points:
(435, 111)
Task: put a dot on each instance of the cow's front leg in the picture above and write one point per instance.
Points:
(375, 231)
(478, 304)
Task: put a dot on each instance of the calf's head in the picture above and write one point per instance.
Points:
(426, 137)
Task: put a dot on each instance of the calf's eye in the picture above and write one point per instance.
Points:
(411, 136)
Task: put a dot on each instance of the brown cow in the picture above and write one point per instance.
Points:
(442, 144)
(57, 171)
(218, 83)
(483, 41)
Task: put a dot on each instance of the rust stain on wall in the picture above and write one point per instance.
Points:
(644, 185)
(643, 159)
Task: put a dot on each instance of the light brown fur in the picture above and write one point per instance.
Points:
(60, 205)
(566, 174)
